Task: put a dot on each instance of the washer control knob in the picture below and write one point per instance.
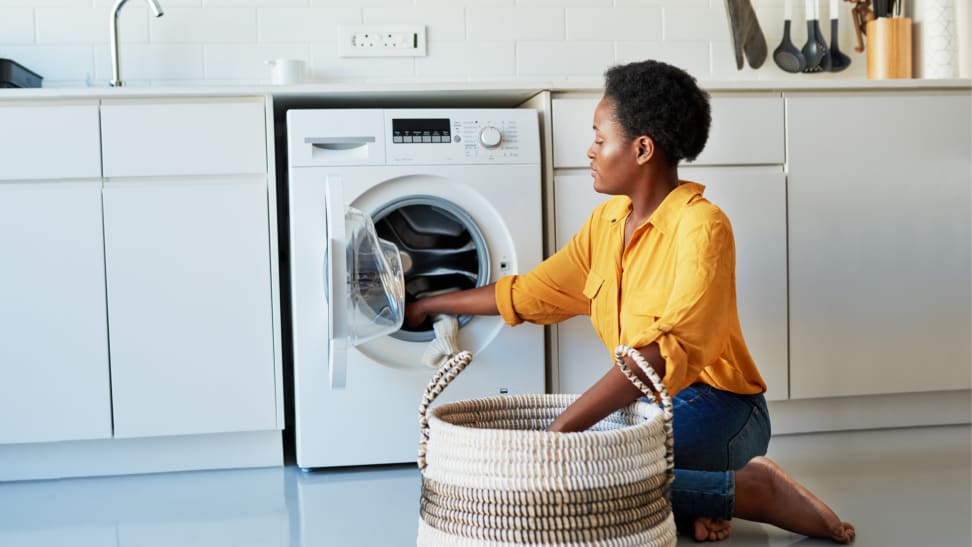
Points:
(490, 137)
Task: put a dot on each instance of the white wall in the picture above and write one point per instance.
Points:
(226, 41)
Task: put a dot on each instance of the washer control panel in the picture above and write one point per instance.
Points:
(462, 136)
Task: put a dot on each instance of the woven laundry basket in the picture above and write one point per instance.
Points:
(492, 475)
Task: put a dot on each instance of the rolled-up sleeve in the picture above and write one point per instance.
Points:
(694, 326)
(551, 292)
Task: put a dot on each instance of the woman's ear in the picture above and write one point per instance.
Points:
(646, 149)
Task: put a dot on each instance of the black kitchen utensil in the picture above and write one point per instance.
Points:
(838, 61)
(815, 50)
(786, 55)
(825, 61)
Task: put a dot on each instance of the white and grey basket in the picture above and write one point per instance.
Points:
(492, 475)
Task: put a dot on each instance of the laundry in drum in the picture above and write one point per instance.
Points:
(441, 253)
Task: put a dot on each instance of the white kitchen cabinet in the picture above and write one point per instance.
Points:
(190, 137)
(188, 265)
(53, 329)
(189, 306)
(747, 129)
(879, 228)
(746, 142)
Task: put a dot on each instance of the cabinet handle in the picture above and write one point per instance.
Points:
(338, 143)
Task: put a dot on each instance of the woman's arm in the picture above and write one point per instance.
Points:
(611, 392)
(478, 301)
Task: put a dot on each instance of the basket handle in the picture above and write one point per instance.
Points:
(666, 400)
(442, 378)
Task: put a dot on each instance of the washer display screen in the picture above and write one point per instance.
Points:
(421, 130)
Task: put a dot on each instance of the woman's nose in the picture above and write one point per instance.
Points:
(590, 152)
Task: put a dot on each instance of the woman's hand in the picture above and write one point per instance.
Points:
(478, 301)
(415, 314)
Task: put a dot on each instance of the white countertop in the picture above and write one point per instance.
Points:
(489, 93)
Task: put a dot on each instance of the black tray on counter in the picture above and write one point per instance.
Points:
(16, 75)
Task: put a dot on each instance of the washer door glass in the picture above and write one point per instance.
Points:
(442, 249)
(375, 281)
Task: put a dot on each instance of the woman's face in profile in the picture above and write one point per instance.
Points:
(613, 156)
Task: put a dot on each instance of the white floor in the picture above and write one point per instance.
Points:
(908, 487)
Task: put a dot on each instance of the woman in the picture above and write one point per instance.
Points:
(655, 268)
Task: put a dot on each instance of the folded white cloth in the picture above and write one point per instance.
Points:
(445, 344)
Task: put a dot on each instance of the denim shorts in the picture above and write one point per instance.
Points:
(716, 432)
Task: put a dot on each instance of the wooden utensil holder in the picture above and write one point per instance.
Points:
(889, 48)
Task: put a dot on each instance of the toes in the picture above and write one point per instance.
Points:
(708, 529)
(844, 533)
(701, 532)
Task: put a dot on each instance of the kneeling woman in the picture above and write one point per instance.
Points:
(654, 267)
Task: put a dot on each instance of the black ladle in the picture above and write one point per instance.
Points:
(838, 61)
(815, 50)
(786, 55)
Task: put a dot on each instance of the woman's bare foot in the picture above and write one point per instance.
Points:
(710, 529)
(765, 493)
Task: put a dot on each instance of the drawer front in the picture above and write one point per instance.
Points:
(54, 141)
(746, 130)
(215, 137)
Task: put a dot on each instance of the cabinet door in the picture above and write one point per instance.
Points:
(49, 140)
(184, 137)
(746, 130)
(755, 201)
(53, 329)
(879, 225)
(581, 356)
(189, 306)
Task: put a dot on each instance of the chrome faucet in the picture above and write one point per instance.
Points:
(115, 70)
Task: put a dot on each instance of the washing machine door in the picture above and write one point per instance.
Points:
(365, 287)
(375, 281)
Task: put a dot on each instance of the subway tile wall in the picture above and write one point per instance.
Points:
(227, 42)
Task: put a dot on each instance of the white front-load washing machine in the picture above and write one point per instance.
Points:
(458, 193)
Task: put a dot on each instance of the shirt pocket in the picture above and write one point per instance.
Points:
(595, 292)
(645, 305)
(592, 286)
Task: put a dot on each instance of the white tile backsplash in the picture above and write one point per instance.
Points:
(226, 41)
(304, 25)
(587, 24)
(467, 60)
(89, 25)
(526, 23)
(553, 59)
(152, 62)
(53, 62)
(441, 22)
(205, 26)
(16, 26)
(248, 64)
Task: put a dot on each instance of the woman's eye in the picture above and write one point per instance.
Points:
(598, 142)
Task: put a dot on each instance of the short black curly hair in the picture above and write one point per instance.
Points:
(663, 102)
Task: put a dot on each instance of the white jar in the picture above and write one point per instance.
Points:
(936, 39)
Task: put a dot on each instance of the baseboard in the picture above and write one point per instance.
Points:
(145, 455)
(871, 412)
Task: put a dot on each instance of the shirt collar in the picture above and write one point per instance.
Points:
(666, 214)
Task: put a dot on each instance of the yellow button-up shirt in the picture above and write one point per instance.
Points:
(674, 284)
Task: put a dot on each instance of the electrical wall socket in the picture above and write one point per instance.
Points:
(381, 41)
